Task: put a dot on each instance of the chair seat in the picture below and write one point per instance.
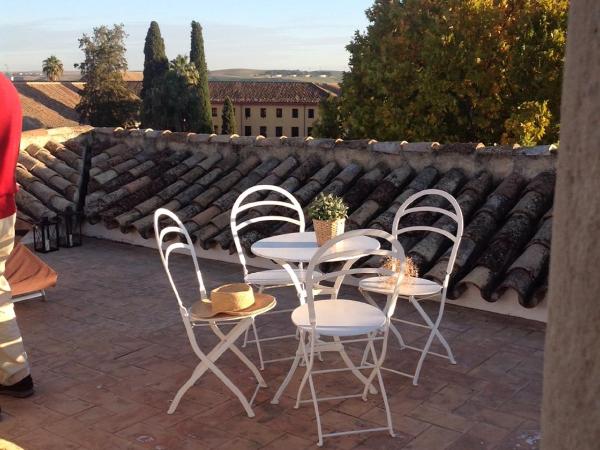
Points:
(341, 317)
(275, 277)
(418, 287)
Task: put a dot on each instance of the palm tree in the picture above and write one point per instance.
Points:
(52, 68)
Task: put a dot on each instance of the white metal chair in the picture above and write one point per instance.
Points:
(190, 320)
(266, 279)
(341, 318)
(421, 289)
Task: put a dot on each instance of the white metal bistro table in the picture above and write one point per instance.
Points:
(299, 248)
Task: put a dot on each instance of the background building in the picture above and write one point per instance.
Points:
(268, 108)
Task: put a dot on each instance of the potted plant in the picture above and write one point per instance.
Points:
(328, 213)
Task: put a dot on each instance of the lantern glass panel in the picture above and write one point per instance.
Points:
(46, 235)
(70, 229)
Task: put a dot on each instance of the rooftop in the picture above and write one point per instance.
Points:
(108, 352)
(256, 92)
(505, 194)
(48, 104)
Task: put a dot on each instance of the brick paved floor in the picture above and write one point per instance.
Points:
(109, 351)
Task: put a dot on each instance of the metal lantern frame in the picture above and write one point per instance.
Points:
(46, 235)
(70, 228)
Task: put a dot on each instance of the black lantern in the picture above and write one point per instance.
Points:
(70, 228)
(45, 235)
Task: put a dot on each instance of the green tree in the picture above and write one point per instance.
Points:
(455, 70)
(328, 125)
(175, 97)
(203, 120)
(52, 68)
(228, 118)
(105, 99)
(156, 65)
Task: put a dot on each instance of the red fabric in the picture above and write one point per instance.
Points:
(10, 137)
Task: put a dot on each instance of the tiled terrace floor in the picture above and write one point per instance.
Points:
(109, 351)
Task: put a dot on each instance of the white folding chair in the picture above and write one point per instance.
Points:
(420, 288)
(341, 318)
(266, 279)
(227, 341)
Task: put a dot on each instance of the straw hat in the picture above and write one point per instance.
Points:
(236, 299)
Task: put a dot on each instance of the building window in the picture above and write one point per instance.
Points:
(309, 131)
(247, 112)
(247, 130)
(263, 112)
(278, 131)
(263, 131)
(311, 113)
(279, 112)
(216, 128)
(214, 112)
(295, 132)
(295, 113)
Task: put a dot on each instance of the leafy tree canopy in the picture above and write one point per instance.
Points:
(156, 65)
(457, 70)
(203, 119)
(228, 118)
(175, 97)
(328, 123)
(52, 68)
(105, 100)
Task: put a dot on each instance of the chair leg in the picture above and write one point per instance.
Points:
(245, 338)
(385, 403)
(309, 357)
(196, 374)
(241, 356)
(258, 349)
(308, 362)
(352, 367)
(260, 289)
(208, 362)
(368, 297)
(289, 375)
(377, 372)
(434, 333)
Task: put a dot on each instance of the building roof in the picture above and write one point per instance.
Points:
(48, 104)
(505, 195)
(253, 92)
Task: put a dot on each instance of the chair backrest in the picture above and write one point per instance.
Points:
(184, 243)
(455, 213)
(336, 250)
(290, 202)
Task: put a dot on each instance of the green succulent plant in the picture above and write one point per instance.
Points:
(327, 207)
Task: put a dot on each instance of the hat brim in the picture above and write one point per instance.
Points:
(202, 309)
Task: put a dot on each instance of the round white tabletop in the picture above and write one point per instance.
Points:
(301, 247)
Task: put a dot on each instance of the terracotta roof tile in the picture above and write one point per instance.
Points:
(266, 92)
(506, 241)
(52, 104)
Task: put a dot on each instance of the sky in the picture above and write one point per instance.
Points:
(256, 34)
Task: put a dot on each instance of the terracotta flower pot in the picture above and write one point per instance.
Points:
(328, 229)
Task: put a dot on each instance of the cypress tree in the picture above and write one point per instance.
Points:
(156, 66)
(228, 118)
(203, 121)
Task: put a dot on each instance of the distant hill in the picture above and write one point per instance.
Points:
(314, 76)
